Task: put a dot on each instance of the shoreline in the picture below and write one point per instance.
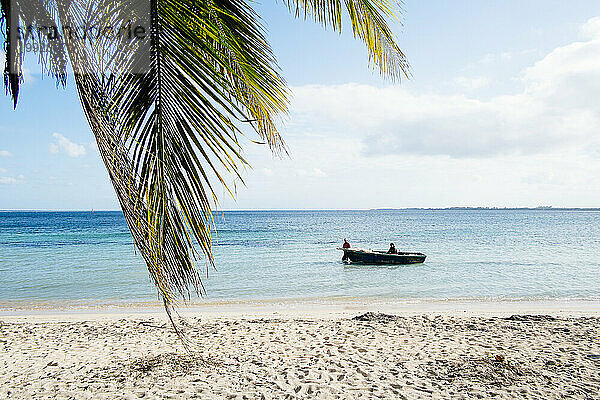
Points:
(317, 308)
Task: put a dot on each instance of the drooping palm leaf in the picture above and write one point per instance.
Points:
(17, 17)
(166, 128)
(368, 19)
(167, 113)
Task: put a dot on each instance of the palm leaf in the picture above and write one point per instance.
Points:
(368, 19)
(168, 113)
(165, 131)
(17, 16)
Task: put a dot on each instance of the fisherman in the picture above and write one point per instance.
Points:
(345, 246)
(392, 249)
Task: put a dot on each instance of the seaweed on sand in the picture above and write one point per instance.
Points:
(375, 317)
(492, 371)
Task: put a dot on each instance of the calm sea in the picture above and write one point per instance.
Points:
(483, 254)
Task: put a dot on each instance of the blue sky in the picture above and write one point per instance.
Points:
(501, 111)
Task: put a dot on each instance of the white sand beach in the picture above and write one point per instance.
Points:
(329, 353)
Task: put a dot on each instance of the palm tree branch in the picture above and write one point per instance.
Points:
(166, 134)
(368, 19)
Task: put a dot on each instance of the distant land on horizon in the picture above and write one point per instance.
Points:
(541, 208)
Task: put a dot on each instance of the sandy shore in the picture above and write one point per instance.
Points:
(442, 354)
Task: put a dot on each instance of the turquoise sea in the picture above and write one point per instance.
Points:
(471, 254)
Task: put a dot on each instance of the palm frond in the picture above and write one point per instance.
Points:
(167, 112)
(13, 51)
(18, 18)
(368, 19)
(167, 121)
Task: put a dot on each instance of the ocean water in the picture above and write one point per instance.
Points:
(471, 254)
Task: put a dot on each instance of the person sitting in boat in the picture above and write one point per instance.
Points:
(392, 249)
(346, 245)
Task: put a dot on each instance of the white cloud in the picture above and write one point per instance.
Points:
(557, 108)
(3, 170)
(392, 120)
(5, 153)
(591, 29)
(63, 144)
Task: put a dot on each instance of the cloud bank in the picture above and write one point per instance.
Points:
(556, 109)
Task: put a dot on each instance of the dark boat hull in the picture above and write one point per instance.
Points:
(376, 257)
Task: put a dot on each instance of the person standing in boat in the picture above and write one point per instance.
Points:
(392, 249)
(346, 245)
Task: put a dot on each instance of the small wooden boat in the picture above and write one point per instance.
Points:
(381, 257)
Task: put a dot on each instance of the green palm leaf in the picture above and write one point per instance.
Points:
(168, 113)
(368, 19)
(166, 132)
